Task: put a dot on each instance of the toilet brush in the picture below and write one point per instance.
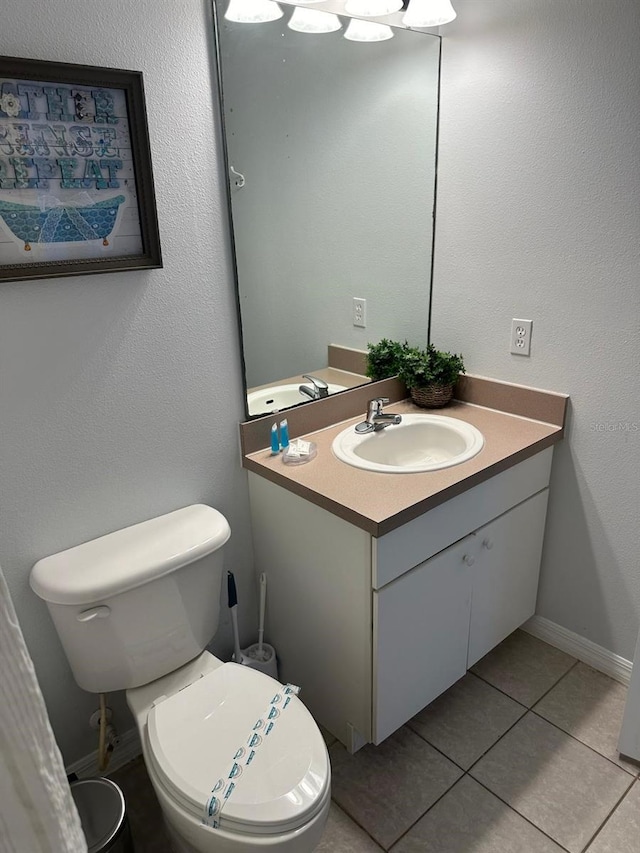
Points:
(261, 655)
(233, 607)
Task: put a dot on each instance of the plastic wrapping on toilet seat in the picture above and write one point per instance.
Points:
(289, 776)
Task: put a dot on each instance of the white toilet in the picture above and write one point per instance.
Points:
(236, 760)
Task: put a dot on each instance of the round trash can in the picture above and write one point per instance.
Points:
(103, 815)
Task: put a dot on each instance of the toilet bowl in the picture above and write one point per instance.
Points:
(281, 797)
(236, 760)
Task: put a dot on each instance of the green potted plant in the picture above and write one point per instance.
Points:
(385, 359)
(430, 375)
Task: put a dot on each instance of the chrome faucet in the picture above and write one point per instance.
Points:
(316, 390)
(377, 419)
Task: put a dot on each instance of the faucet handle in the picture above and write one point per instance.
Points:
(377, 403)
(319, 388)
(316, 381)
(376, 420)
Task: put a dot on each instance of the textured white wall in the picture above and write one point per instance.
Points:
(538, 217)
(121, 393)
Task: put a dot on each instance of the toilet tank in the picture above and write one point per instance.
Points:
(138, 603)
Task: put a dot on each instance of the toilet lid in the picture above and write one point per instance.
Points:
(195, 734)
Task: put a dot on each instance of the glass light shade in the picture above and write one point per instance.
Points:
(313, 21)
(428, 13)
(253, 11)
(372, 8)
(367, 31)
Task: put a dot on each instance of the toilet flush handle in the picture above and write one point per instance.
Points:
(99, 612)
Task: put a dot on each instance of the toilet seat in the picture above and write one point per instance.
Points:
(194, 735)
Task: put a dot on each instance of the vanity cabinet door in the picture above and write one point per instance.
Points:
(505, 575)
(420, 634)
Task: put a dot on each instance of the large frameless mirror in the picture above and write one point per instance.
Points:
(331, 157)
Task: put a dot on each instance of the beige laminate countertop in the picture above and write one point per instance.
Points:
(378, 503)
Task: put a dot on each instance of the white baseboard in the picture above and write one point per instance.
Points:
(127, 749)
(579, 647)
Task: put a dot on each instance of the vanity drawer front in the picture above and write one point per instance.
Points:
(407, 546)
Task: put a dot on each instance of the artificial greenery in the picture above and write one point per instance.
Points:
(385, 359)
(423, 367)
(417, 367)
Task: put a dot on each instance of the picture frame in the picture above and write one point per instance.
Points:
(76, 183)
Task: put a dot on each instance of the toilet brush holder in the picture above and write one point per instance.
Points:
(264, 661)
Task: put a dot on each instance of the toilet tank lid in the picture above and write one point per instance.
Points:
(131, 557)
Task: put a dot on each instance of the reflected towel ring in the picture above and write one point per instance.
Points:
(238, 179)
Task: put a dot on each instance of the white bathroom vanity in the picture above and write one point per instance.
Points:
(375, 612)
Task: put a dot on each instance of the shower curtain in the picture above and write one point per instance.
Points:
(37, 812)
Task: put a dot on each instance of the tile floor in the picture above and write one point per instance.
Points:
(518, 757)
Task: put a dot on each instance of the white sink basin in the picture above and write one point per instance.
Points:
(277, 397)
(419, 443)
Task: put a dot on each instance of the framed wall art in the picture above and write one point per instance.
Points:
(76, 186)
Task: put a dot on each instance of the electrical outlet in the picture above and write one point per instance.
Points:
(521, 337)
(359, 312)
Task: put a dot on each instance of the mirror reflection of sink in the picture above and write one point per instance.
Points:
(277, 397)
(419, 443)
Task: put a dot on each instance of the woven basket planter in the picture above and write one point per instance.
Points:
(432, 396)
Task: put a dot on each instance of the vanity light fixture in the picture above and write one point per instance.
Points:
(367, 31)
(313, 21)
(428, 13)
(253, 11)
(372, 8)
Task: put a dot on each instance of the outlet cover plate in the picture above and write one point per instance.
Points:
(521, 337)
(359, 312)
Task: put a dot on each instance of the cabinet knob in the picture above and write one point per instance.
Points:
(487, 543)
(468, 559)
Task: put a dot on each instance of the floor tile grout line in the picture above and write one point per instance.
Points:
(522, 705)
(359, 825)
(582, 743)
(493, 794)
(531, 708)
(488, 749)
(633, 778)
(499, 689)
(540, 698)
(526, 710)
(457, 766)
(585, 849)
(437, 749)
(426, 812)
(557, 682)
(504, 693)
(524, 817)
(496, 742)
(568, 734)
(553, 686)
